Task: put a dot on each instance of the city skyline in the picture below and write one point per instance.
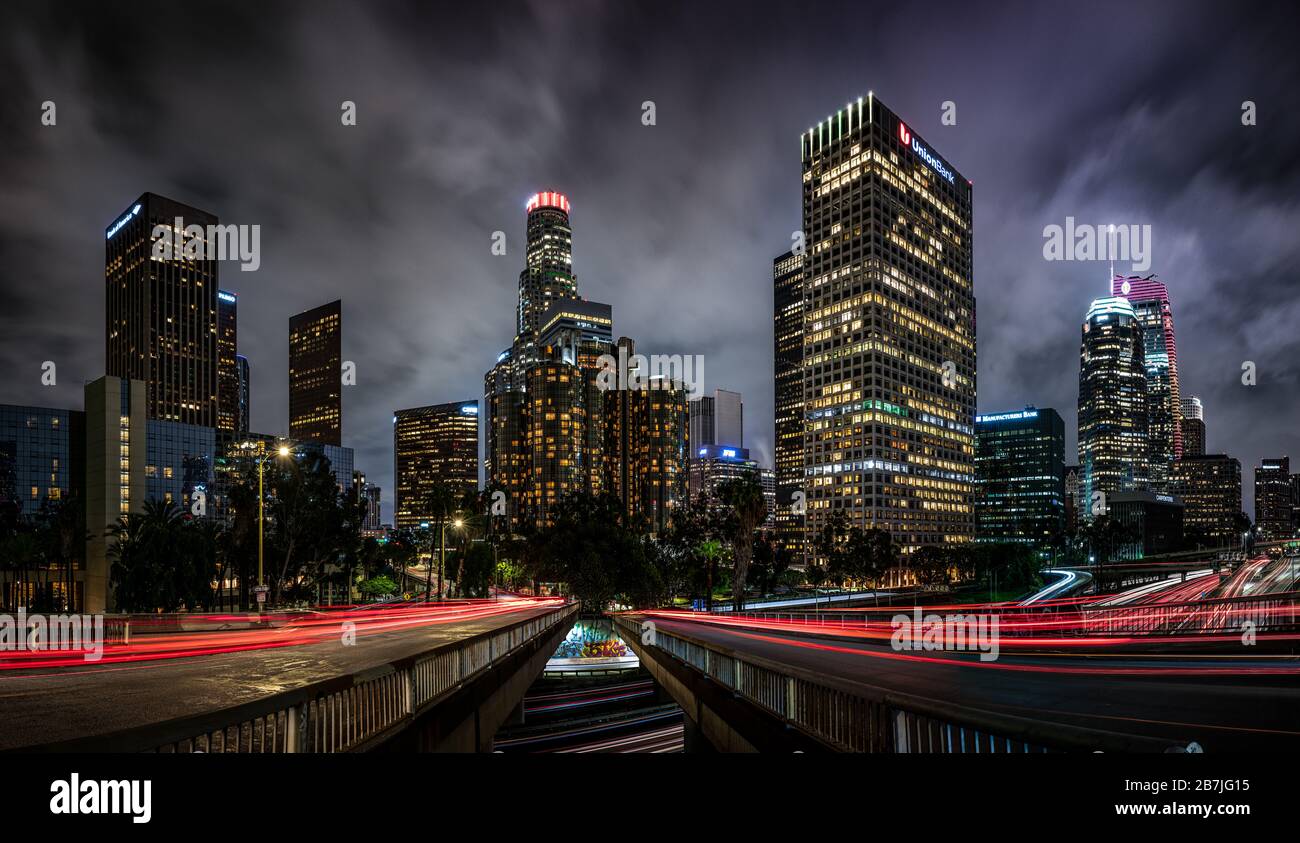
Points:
(430, 303)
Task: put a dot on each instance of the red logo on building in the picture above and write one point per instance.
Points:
(904, 135)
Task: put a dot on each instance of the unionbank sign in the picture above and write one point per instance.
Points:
(926, 155)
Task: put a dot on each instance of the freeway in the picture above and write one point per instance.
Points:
(1225, 703)
(157, 678)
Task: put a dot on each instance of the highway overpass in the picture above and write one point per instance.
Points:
(755, 684)
(440, 677)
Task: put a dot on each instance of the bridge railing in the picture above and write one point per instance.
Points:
(339, 714)
(856, 717)
(1213, 616)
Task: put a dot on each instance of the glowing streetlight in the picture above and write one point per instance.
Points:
(259, 448)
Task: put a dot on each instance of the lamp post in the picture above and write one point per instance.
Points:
(442, 549)
(259, 448)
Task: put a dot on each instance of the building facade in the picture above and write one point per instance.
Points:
(787, 368)
(888, 330)
(554, 426)
(1273, 499)
(1153, 521)
(1210, 488)
(1150, 300)
(228, 386)
(245, 394)
(718, 419)
(1113, 418)
(432, 445)
(1020, 476)
(161, 307)
(315, 375)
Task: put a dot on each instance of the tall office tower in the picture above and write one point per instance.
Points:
(507, 460)
(432, 445)
(547, 275)
(787, 368)
(1193, 425)
(162, 311)
(578, 333)
(365, 492)
(1019, 476)
(315, 375)
(703, 422)
(888, 330)
(1112, 402)
(767, 480)
(718, 419)
(245, 394)
(544, 408)
(1210, 488)
(1073, 497)
(227, 362)
(647, 445)
(556, 437)
(1274, 499)
(1150, 300)
(372, 525)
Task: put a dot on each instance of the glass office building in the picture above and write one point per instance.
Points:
(1019, 476)
(888, 330)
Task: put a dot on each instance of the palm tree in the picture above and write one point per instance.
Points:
(744, 498)
(440, 503)
(710, 550)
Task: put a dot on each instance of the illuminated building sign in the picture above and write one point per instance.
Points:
(117, 226)
(926, 155)
(729, 453)
(469, 410)
(1016, 416)
(224, 296)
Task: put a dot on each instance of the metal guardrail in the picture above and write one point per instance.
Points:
(856, 717)
(341, 714)
(1213, 616)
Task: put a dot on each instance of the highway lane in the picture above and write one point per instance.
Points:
(1133, 695)
(83, 699)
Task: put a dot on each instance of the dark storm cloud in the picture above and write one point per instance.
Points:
(1104, 112)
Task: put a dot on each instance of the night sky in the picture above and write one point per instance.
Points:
(1110, 113)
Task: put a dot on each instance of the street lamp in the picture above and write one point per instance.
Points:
(258, 448)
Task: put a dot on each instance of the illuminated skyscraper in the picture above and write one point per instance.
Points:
(1150, 300)
(1193, 425)
(162, 311)
(1020, 476)
(547, 276)
(245, 394)
(888, 330)
(1273, 499)
(315, 375)
(1113, 416)
(1210, 488)
(432, 445)
(787, 333)
(546, 279)
(647, 441)
(228, 393)
(553, 430)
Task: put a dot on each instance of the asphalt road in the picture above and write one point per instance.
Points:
(1221, 712)
(47, 705)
